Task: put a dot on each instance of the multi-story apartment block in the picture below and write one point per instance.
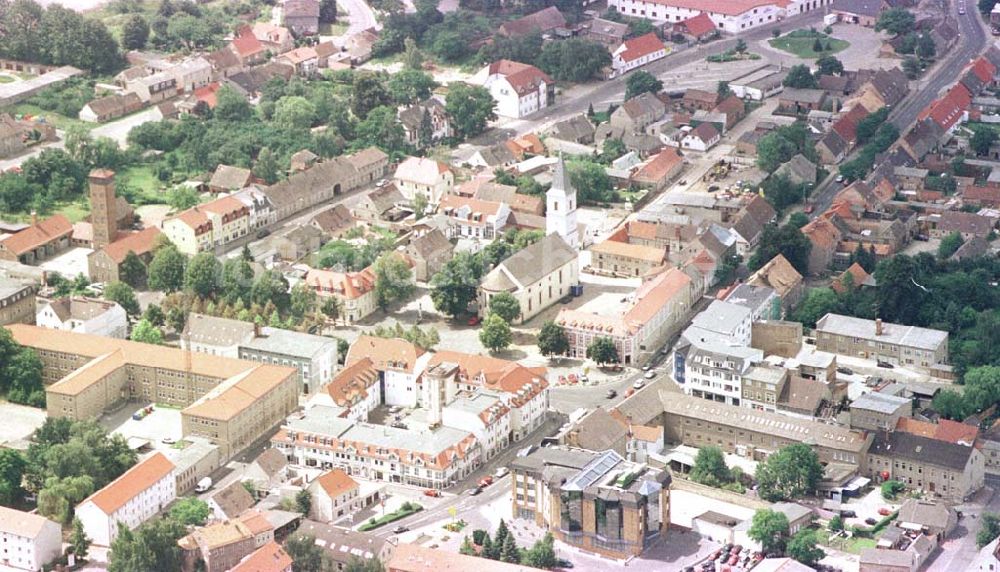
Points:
(261, 210)
(909, 346)
(713, 369)
(28, 541)
(357, 390)
(206, 226)
(230, 402)
(763, 385)
(658, 310)
(519, 89)
(950, 471)
(726, 319)
(398, 362)
(17, 302)
(596, 501)
(130, 500)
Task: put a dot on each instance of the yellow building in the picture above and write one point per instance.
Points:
(190, 231)
(206, 226)
(230, 402)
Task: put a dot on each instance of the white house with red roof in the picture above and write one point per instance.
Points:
(637, 52)
(130, 500)
(473, 218)
(733, 16)
(423, 176)
(519, 89)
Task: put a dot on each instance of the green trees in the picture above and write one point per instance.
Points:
(266, 167)
(792, 472)
(455, 285)
(782, 144)
(303, 501)
(575, 60)
(58, 36)
(836, 523)
(271, 287)
(799, 76)
(640, 82)
(770, 529)
(203, 274)
(151, 546)
(896, 21)
(166, 269)
(494, 333)
(506, 306)
(182, 198)
(327, 11)
(190, 511)
(552, 340)
(603, 351)
(542, 554)
(146, 333)
(591, 181)
(135, 32)
(293, 112)
(470, 108)
(425, 339)
(926, 48)
(982, 139)
(786, 240)
(710, 467)
(20, 372)
(802, 547)
(891, 489)
(817, 303)
(133, 271)
(949, 244)
(393, 280)
(79, 541)
(123, 294)
(829, 65)
(307, 556)
(989, 529)
(410, 86)
(12, 466)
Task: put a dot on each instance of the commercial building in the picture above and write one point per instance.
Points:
(714, 368)
(130, 500)
(17, 301)
(658, 309)
(909, 346)
(731, 17)
(596, 501)
(232, 403)
(335, 494)
(28, 541)
(538, 276)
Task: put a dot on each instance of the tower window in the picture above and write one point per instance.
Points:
(555, 205)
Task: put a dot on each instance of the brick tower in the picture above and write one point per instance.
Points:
(102, 207)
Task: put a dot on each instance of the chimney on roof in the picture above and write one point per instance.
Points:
(256, 330)
(34, 218)
(878, 326)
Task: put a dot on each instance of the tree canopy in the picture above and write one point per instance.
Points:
(792, 472)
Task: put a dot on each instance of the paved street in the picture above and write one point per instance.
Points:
(360, 17)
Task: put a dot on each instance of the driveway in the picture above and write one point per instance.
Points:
(118, 130)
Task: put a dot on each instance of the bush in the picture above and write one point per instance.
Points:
(891, 489)
(478, 536)
(404, 511)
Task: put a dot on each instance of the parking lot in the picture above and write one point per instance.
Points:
(162, 423)
(20, 421)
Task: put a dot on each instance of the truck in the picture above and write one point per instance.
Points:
(203, 485)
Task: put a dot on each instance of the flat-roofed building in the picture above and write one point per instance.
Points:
(28, 541)
(130, 500)
(908, 346)
(593, 500)
(879, 411)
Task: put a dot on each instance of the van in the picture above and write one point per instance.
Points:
(203, 485)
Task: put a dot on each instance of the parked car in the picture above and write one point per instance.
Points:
(870, 521)
(840, 178)
(563, 563)
(649, 374)
(638, 384)
(432, 493)
(566, 299)
(400, 529)
(485, 481)
(475, 491)
(501, 473)
(884, 511)
(611, 394)
(845, 370)
(646, 367)
(263, 233)
(885, 364)
(848, 514)
(474, 321)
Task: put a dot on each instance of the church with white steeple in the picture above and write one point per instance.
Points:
(560, 207)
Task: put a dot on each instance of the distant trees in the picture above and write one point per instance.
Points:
(786, 240)
(470, 108)
(799, 76)
(640, 82)
(135, 32)
(456, 284)
(576, 60)
(59, 36)
(896, 21)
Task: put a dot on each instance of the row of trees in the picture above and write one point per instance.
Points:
(503, 547)
(772, 530)
(20, 374)
(58, 36)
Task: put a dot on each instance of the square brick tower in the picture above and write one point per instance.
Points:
(102, 207)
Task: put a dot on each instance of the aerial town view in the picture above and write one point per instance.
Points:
(499, 285)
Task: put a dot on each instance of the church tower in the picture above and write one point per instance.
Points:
(560, 207)
(103, 217)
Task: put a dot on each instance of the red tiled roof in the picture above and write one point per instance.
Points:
(382, 351)
(245, 43)
(943, 430)
(135, 480)
(822, 234)
(268, 558)
(705, 131)
(336, 483)
(44, 232)
(697, 26)
(644, 45)
(858, 277)
(138, 242)
(208, 93)
(728, 7)
(659, 166)
(981, 195)
(983, 69)
(947, 110)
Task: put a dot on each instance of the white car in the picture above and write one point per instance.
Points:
(646, 367)
(649, 374)
(501, 473)
(638, 384)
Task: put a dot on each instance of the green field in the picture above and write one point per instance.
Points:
(60, 121)
(800, 43)
(6, 79)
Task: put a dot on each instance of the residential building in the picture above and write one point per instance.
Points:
(762, 301)
(105, 264)
(398, 362)
(194, 458)
(714, 369)
(779, 275)
(949, 471)
(638, 113)
(537, 276)
(931, 518)
(268, 558)
(637, 52)
(560, 207)
(879, 411)
(268, 470)
(699, 27)
(305, 60)
(863, 12)
(84, 315)
(427, 177)
(335, 495)
(701, 138)
(727, 321)
(593, 500)
(41, 240)
(301, 16)
(416, 558)
(728, 17)
(762, 387)
(28, 541)
(17, 301)
(130, 500)
(354, 290)
(110, 107)
(230, 502)
(220, 546)
(429, 252)
(231, 402)
(356, 390)
(545, 21)
(625, 259)
(519, 89)
(968, 225)
(660, 170)
(343, 545)
(228, 179)
(576, 129)
(325, 180)
(419, 131)
(474, 218)
(909, 346)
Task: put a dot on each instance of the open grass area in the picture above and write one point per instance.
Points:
(334, 29)
(75, 211)
(406, 510)
(6, 79)
(60, 121)
(801, 43)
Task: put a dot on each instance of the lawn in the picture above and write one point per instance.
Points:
(801, 42)
(406, 510)
(75, 211)
(60, 121)
(6, 79)
(335, 29)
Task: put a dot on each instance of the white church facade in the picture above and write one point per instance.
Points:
(560, 207)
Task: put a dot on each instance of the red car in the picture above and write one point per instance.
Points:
(486, 481)
(884, 511)
(474, 321)
(734, 559)
(432, 493)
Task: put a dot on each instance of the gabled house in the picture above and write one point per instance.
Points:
(519, 89)
(699, 27)
(950, 110)
(824, 236)
(637, 52)
(546, 21)
(779, 275)
(657, 172)
(701, 138)
(429, 252)
(427, 177)
(425, 123)
(577, 129)
(301, 16)
(831, 148)
(637, 113)
(474, 218)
